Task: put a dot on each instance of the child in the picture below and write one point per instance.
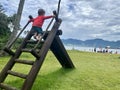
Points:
(38, 22)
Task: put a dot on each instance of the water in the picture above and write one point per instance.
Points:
(91, 49)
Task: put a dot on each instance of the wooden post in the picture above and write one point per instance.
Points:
(16, 23)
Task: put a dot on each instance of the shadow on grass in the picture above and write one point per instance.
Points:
(44, 82)
(118, 57)
(51, 80)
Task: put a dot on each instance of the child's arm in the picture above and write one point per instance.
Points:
(47, 17)
(31, 20)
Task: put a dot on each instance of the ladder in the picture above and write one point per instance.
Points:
(51, 41)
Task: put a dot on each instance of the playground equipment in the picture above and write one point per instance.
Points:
(52, 41)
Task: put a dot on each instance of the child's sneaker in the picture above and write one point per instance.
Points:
(34, 37)
(38, 38)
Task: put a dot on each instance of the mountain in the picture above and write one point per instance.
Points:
(92, 43)
(72, 41)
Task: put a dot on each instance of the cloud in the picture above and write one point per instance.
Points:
(82, 19)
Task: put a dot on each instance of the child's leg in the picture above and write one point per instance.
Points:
(35, 35)
(34, 32)
(39, 33)
(39, 36)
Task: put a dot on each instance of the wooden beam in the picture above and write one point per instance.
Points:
(59, 32)
(16, 23)
(7, 87)
(61, 54)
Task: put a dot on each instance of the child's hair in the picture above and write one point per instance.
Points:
(41, 12)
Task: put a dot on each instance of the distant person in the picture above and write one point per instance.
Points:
(100, 49)
(38, 22)
(94, 49)
(104, 51)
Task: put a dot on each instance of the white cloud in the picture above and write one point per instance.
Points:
(82, 19)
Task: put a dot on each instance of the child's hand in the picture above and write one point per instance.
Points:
(30, 17)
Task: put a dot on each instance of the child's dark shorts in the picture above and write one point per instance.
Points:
(37, 29)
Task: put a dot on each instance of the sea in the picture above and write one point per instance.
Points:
(91, 49)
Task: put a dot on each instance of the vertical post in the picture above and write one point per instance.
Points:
(16, 22)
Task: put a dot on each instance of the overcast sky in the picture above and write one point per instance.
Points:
(82, 19)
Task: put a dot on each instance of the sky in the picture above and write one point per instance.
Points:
(82, 19)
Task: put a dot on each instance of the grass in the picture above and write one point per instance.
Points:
(94, 71)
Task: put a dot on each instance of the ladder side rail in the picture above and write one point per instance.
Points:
(37, 65)
(56, 18)
(11, 62)
(44, 33)
(7, 48)
(14, 40)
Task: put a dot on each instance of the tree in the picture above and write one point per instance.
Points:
(1, 9)
(3, 22)
(4, 30)
(16, 23)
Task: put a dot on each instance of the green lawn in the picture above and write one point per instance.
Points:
(93, 71)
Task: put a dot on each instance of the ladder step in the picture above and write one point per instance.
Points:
(7, 87)
(17, 74)
(34, 42)
(26, 50)
(33, 52)
(24, 62)
(31, 41)
(9, 51)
